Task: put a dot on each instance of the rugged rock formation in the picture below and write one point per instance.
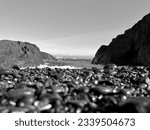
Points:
(20, 53)
(48, 57)
(99, 54)
(130, 48)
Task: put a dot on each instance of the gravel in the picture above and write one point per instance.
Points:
(111, 89)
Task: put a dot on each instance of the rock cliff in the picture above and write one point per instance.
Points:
(130, 48)
(21, 54)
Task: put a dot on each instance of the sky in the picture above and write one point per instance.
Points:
(69, 27)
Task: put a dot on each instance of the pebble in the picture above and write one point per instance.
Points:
(20, 92)
(42, 104)
(103, 89)
(58, 89)
(5, 72)
(93, 106)
(77, 103)
(112, 72)
(26, 100)
(18, 110)
(83, 90)
(4, 110)
(110, 67)
(16, 67)
(142, 85)
(127, 92)
(48, 82)
(135, 105)
(53, 97)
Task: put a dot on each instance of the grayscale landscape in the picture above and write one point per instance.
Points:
(74, 56)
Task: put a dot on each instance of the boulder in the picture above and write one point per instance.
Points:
(130, 48)
(19, 53)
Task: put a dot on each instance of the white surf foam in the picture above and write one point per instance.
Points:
(53, 67)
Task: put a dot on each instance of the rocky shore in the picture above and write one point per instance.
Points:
(111, 89)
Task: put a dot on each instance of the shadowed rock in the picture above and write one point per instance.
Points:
(130, 48)
(99, 56)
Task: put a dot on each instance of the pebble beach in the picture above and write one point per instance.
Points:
(45, 89)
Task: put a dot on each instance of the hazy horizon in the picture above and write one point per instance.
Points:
(69, 27)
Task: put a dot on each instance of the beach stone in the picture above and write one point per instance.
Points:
(5, 72)
(58, 89)
(103, 89)
(83, 89)
(4, 110)
(20, 92)
(110, 67)
(105, 82)
(16, 67)
(143, 85)
(134, 105)
(127, 92)
(53, 97)
(48, 82)
(108, 104)
(18, 110)
(42, 104)
(93, 106)
(112, 72)
(26, 100)
(77, 103)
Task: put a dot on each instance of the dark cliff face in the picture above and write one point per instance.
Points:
(99, 55)
(19, 53)
(130, 48)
